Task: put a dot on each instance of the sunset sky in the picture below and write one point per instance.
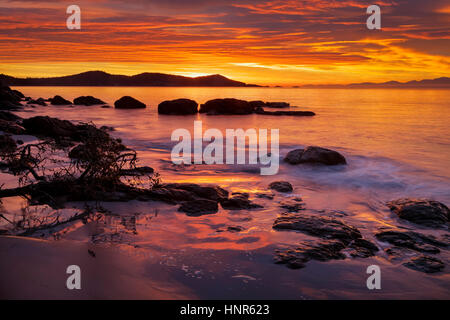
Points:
(261, 42)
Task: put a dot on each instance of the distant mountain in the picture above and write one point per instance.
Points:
(443, 82)
(100, 78)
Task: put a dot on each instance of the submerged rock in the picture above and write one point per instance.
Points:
(411, 240)
(215, 193)
(362, 248)
(226, 106)
(239, 202)
(199, 207)
(87, 101)
(178, 107)
(316, 155)
(285, 113)
(421, 211)
(281, 186)
(59, 101)
(425, 264)
(128, 102)
(318, 226)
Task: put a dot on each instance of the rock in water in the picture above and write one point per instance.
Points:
(87, 101)
(226, 106)
(421, 211)
(7, 144)
(178, 107)
(425, 264)
(281, 186)
(8, 116)
(129, 103)
(315, 155)
(239, 202)
(59, 101)
(199, 207)
(11, 127)
(277, 105)
(39, 101)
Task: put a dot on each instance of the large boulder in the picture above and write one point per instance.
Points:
(8, 116)
(226, 106)
(214, 193)
(59, 101)
(87, 101)
(315, 155)
(178, 107)
(128, 102)
(7, 144)
(49, 127)
(10, 99)
(421, 211)
(11, 127)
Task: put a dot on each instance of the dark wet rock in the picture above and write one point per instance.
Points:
(318, 226)
(39, 101)
(87, 101)
(10, 99)
(399, 254)
(7, 144)
(107, 128)
(292, 206)
(425, 264)
(199, 207)
(281, 186)
(257, 104)
(8, 116)
(362, 248)
(178, 107)
(269, 196)
(421, 211)
(170, 195)
(11, 127)
(296, 258)
(226, 106)
(138, 171)
(232, 229)
(239, 202)
(285, 113)
(214, 193)
(59, 101)
(277, 105)
(128, 102)
(412, 240)
(105, 107)
(316, 155)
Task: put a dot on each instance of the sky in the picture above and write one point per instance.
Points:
(255, 41)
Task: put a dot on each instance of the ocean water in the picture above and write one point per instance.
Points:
(396, 143)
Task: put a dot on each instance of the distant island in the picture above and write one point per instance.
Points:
(443, 82)
(100, 78)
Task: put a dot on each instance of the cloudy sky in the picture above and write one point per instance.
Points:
(263, 42)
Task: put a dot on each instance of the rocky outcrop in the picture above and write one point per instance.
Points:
(7, 144)
(260, 110)
(277, 105)
(281, 186)
(178, 107)
(425, 264)
(421, 211)
(315, 155)
(10, 99)
(412, 240)
(59, 101)
(128, 102)
(8, 116)
(238, 202)
(39, 101)
(11, 127)
(226, 106)
(87, 101)
(199, 207)
(214, 193)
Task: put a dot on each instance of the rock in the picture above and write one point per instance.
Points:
(11, 127)
(285, 113)
(138, 171)
(319, 226)
(178, 107)
(277, 105)
(39, 101)
(269, 196)
(412, 240)
(199, 207)
(281, 186)
(59, 101)
(170, 195)
(322, 251)
(232, 229)
(425, 264)
(10, 99)
(227, 106)
(105, 107)
(8, 116)
(7, 144)
(129, 103)
(49, 127)
(87, 101)
(257, 104)
(362, 248)
(238, 202)
(421, 211)
(214, 193)
(292, 206)
(315, 155)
